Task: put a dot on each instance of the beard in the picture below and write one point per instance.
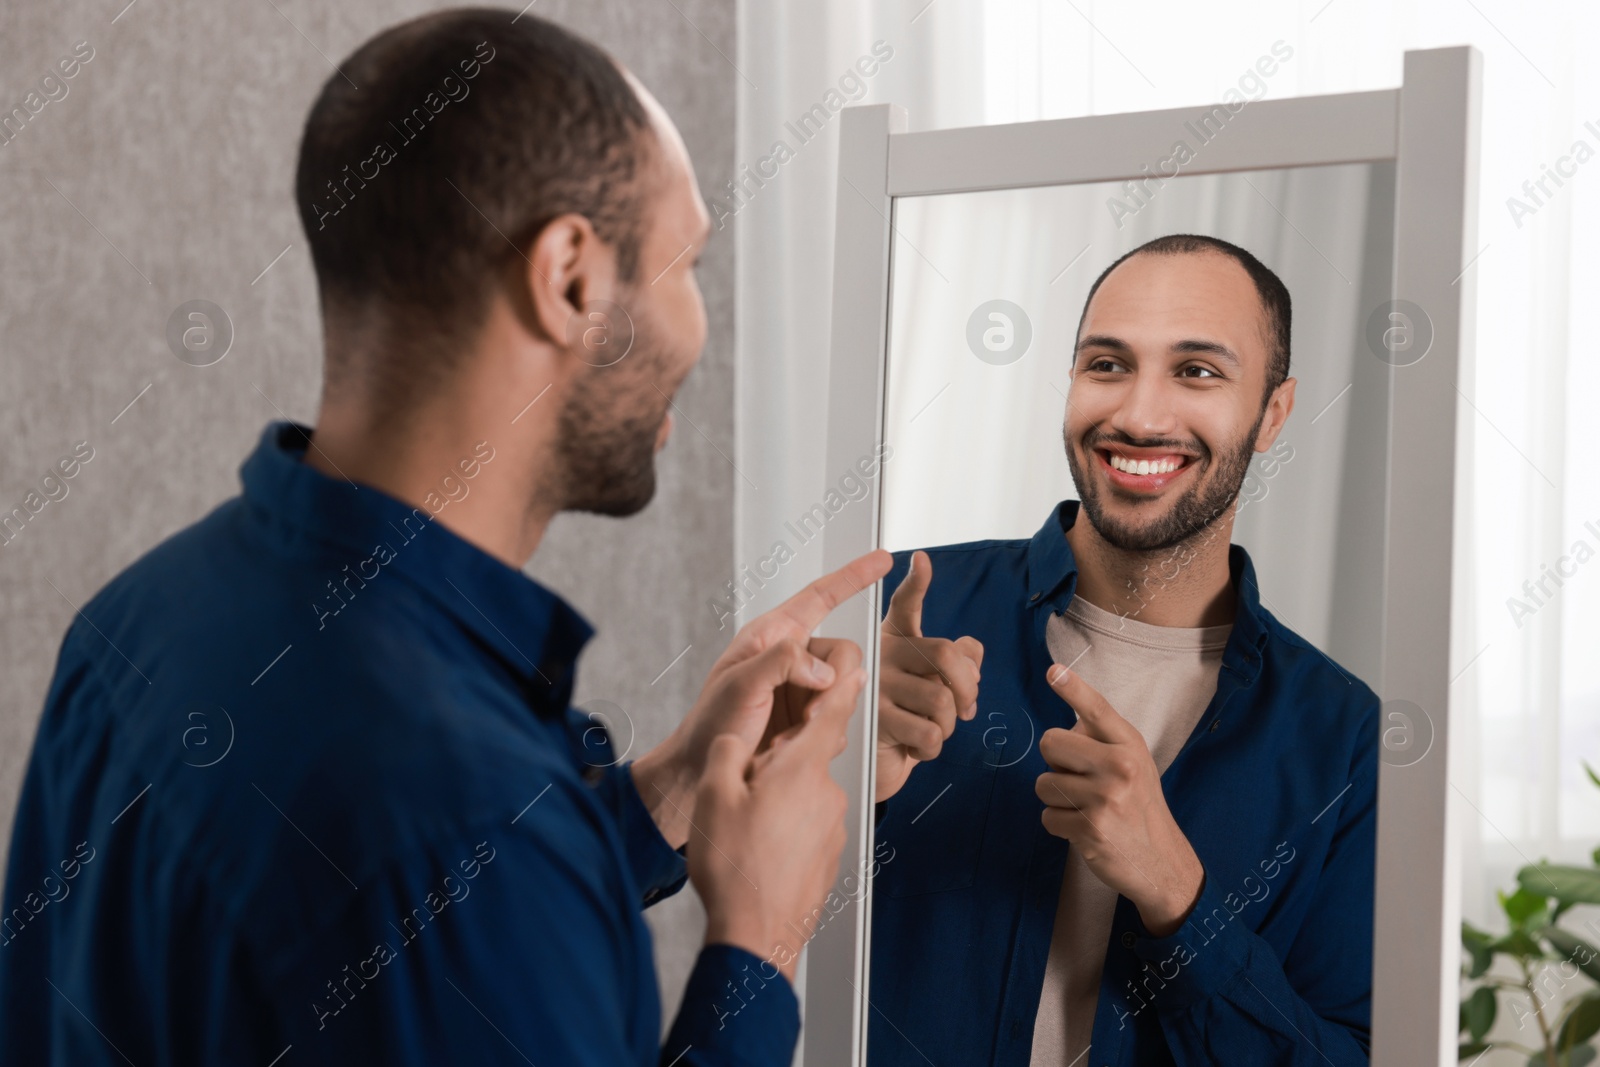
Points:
(608, 429)
(1221, 475)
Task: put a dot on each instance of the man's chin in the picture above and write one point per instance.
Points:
(1145, 523)
(1139, 528)
(1132, 539)
(619, 502)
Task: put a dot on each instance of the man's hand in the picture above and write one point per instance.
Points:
(769, 827)
(1103, 794)
(759, 687)
(924, 683)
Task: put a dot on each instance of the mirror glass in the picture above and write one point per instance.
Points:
(987, 944)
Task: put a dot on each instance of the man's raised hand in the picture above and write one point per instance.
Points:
(1103, 794)
(769, 826)
(761, 686)
(924, 683)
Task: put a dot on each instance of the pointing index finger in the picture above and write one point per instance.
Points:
(807, 608)
(1095, 713)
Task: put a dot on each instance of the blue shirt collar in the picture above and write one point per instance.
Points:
(536, 633)
(1053, 580)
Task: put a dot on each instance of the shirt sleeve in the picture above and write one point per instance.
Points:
(737, 1009)
(516, 944)
(1233, 1000)
(660, 869)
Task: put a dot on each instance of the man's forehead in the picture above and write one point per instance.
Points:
(1194, 293)
(666, 130)
(675, 153)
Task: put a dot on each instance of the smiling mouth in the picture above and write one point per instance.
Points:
(1148, 471)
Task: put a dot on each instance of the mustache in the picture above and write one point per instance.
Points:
(1095, 438)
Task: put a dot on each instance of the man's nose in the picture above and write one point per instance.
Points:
(1147, 409)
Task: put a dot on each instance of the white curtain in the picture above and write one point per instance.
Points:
(1527, 696)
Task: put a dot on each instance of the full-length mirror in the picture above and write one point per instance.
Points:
(1157, 769)
(1077, 476)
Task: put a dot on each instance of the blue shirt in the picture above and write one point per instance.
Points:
(308, 785)
(1276, 790)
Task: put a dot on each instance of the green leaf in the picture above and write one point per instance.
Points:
(1520, 945)
(1593, 777)
(1480, 1012)
(1583, 955)
(1571, 885)
(1480, 946)
(1580, 1057)
(1582, 1023)
(1528, 909)
(1471, 1050)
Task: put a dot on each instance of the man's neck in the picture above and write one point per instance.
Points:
(1185, 585)
(423, 466)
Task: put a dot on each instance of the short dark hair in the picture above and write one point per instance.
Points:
(434, 156)
(1274, 294)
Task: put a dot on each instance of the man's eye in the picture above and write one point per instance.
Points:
(1194, 370)
(1102, 365)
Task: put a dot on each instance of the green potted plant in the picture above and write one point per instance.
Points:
(1559, 987)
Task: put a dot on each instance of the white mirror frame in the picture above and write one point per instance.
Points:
(1429, 128)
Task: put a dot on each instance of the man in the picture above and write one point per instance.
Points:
(307, 788)
(1150, 840)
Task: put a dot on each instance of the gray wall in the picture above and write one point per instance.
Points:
(171, 158)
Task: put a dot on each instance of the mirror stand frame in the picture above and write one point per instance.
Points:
(1429, 127)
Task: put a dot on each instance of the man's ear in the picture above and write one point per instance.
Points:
(566, 267)
(1278, 409)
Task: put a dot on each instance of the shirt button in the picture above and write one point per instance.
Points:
(1016, 1030)
(1033, 597)
(1128, 939)
(1214, 724)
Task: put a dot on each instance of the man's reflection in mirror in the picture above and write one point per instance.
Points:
(1132, 812)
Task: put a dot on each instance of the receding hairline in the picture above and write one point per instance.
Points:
(1264, 320)
(667, 147)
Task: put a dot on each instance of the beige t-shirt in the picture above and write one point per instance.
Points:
(1159, 678)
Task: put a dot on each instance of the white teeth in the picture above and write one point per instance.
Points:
(1145, 466)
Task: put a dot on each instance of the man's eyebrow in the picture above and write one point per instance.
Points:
(1212, 347)
(1104, 340)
